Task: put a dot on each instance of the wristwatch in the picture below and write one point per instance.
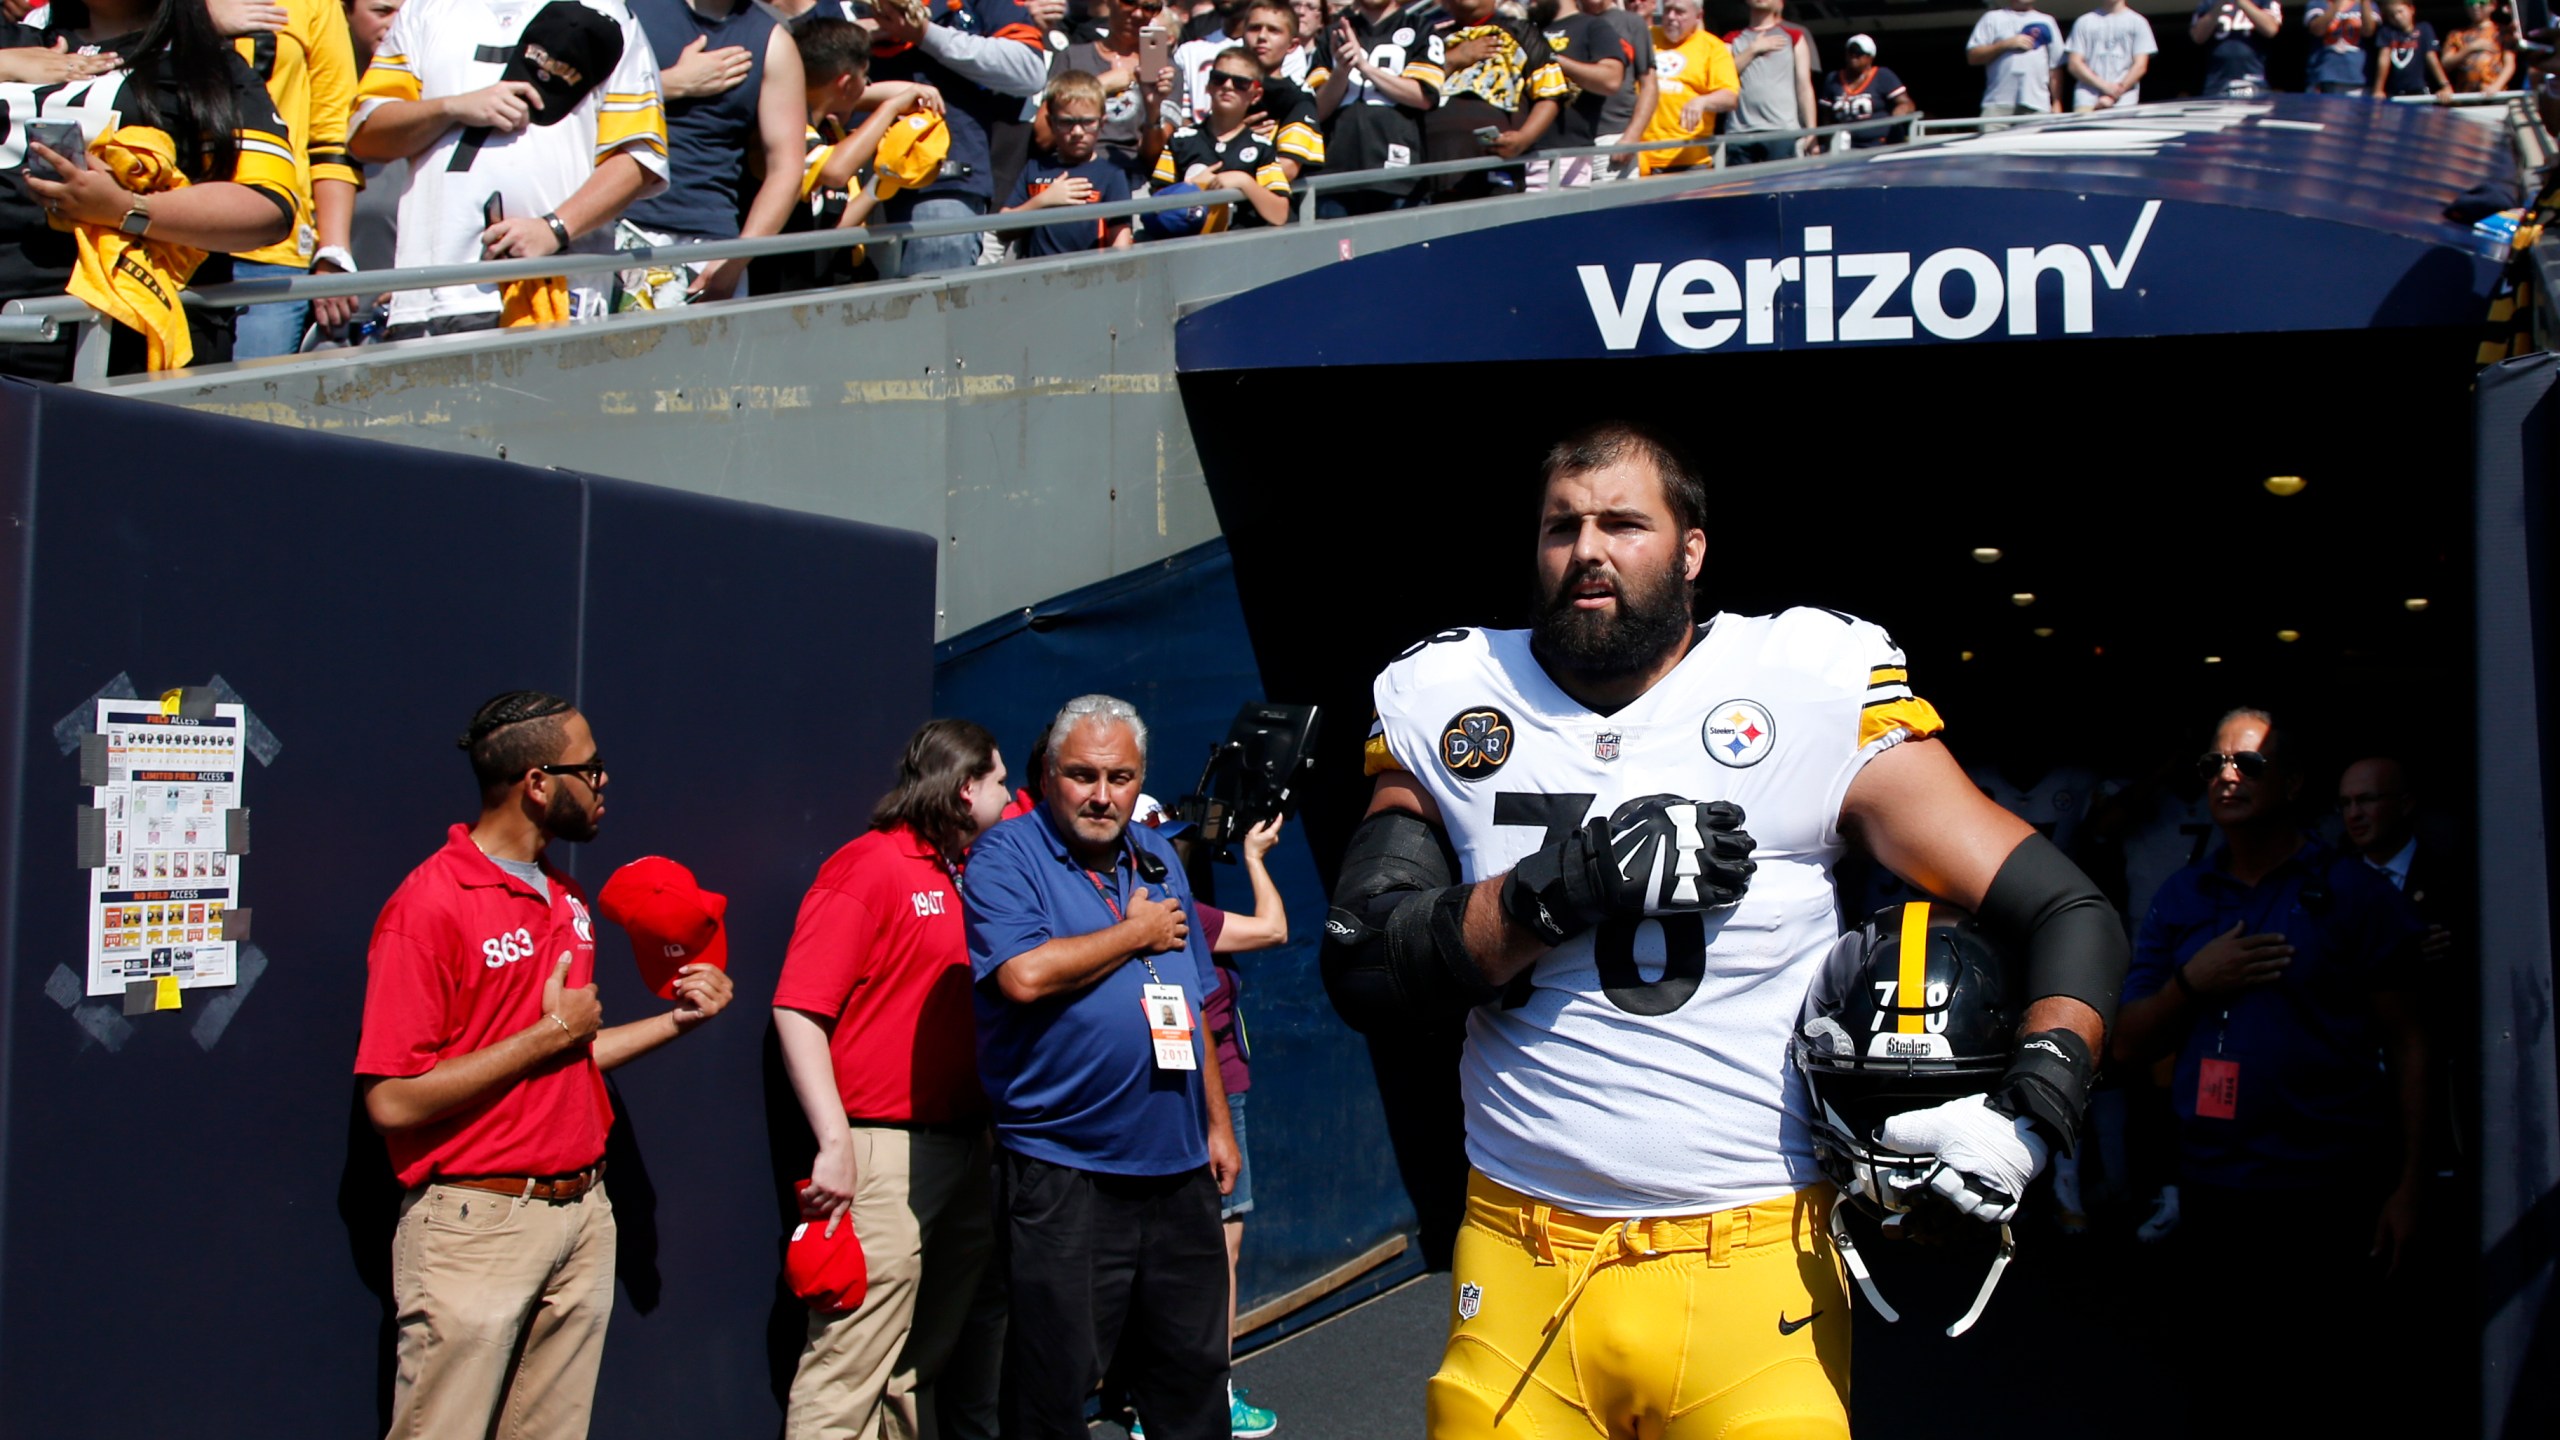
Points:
(137, 221)
(559, 231)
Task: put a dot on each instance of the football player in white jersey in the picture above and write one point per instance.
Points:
(1556, 849)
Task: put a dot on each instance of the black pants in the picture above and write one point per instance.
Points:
(1104, 1263)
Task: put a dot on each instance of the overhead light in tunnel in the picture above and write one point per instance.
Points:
(2213, 659)
(2044, 632)
(2097, 649)
(2023, 599)
(2414, 604)
(1986, 554)
(2284, 484)
(2288, 636)
(1964, 655)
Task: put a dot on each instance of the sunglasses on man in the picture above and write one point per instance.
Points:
(2249, 763)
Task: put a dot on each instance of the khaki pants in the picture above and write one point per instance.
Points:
(921, 1206)
(503, 1303)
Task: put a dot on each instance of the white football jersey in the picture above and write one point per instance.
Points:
(1642, 1068)
(439, 48)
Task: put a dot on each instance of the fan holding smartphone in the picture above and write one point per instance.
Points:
(179, 77)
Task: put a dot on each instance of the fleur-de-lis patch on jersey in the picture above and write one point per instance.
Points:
(1476, 744)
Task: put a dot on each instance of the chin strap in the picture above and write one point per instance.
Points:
(1857, 1264)
(1990, 1282)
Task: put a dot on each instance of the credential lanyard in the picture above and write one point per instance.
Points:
(1111, 902)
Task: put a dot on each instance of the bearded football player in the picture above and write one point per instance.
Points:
(1627, 791)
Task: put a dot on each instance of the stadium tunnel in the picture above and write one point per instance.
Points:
(2114, 425)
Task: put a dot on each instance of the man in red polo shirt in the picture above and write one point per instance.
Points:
(483, 1056)
(880, 1038)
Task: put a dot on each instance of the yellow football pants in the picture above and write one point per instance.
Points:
(1730, 1325)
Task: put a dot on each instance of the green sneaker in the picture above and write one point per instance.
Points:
(1248, 1422)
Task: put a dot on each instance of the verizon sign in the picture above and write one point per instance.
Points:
(2045, 287)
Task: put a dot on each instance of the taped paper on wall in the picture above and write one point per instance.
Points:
(162, 893)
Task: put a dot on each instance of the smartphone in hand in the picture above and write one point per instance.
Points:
(64, 138)
(1155, 51)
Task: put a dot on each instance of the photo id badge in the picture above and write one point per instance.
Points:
(1169, 1022)
(2218, 1089)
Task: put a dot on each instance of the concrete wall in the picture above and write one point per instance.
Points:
(1025, 413)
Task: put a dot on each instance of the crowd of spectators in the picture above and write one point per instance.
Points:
(523, 129)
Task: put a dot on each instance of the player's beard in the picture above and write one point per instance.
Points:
(1648, 621)
(566, 819)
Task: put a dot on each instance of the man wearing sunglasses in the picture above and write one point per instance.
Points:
(2279, 970)
(482, 1059)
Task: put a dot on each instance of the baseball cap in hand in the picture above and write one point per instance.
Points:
(911, 154)
(2040, 32)
(673, 921)
(567, 50)
(826, 1270)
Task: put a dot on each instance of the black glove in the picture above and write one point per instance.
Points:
(1653, 856)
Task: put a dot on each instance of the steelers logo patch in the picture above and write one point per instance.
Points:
(1476, 743)
(1739, 733)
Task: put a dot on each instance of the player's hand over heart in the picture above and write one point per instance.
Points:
(1656, 855)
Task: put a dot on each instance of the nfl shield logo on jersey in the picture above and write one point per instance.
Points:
(1470, 1300)
(1606, 746)
(1739, 733)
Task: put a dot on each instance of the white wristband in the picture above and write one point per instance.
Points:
(336, 255)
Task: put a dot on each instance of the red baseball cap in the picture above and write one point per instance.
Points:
(673, 921)
(826, 1270)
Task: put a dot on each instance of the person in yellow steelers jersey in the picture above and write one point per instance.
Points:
(309, 67)
(1697, 84)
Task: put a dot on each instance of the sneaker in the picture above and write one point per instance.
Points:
(1137, 1427)
(2164, 1217)
(1246, 1422)
(2068, 1215)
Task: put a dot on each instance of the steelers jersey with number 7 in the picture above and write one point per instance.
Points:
(1641, 1068)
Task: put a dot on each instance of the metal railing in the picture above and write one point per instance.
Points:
(44, 319)
(1328, 180)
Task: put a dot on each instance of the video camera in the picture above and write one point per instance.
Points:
(1252, 775)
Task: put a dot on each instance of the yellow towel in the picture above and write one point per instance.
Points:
(135, 280)
(533, 302)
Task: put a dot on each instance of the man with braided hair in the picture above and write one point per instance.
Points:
(483, 1059)
(1555, 856)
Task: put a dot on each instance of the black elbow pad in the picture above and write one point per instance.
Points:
(2041, 905)
(1393, 953)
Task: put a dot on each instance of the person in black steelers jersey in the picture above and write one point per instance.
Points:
(1223, 152)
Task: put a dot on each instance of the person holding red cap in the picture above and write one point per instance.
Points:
(483, 1054)
(878, 1035)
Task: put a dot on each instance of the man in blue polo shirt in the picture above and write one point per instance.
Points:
(2279, 970)
(1113, 1132)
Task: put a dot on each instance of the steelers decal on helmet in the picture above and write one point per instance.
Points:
(1476, 743)
(1739, 733)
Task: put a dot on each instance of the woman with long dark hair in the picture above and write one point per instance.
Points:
(879, 1035)
(179, 76)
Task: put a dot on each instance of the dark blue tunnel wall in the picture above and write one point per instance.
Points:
(192, 1237)
(1171, 640)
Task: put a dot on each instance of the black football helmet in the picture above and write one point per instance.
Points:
(1912, 1009)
